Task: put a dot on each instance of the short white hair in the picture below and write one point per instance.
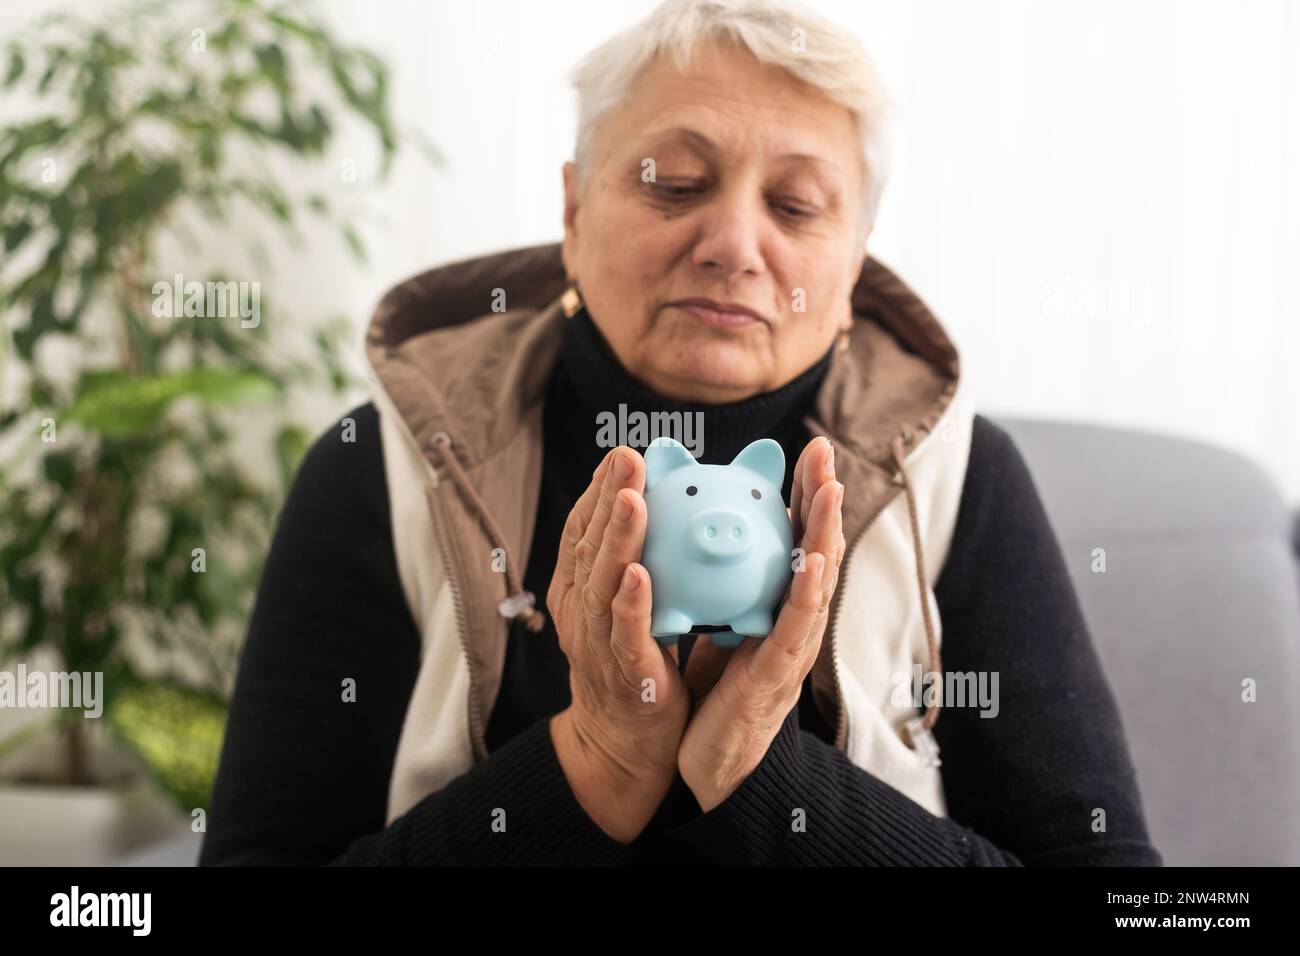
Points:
(777, 32)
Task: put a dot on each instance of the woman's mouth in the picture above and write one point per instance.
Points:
(722, 315)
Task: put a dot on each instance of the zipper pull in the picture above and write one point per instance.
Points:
(516, 604)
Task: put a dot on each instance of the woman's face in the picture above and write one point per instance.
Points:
(730, 181)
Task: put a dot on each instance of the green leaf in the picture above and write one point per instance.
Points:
(16, 233)
(117, 404)
(270, 58)
(60, 468)
(309, 33)
(21, 139)
(51, 70)
(26, 590)
(290, 445)
(353, 239)
(16, 65)
(176, 731)
(43, 320)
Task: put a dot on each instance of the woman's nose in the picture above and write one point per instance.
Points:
(730, 237)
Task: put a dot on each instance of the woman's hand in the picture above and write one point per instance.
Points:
(617, 741)
(755, 686)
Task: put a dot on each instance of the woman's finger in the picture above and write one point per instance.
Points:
(796, 494)
(637, 656)
(781, 656)
(621, 545)
(815, 467)
(821, 470)
(626, 470)
(825, 534)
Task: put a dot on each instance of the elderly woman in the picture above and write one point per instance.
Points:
(404, 698)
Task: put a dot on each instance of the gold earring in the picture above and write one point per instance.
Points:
(571, 301)
(842, 345)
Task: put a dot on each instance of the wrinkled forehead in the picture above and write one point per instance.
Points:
(693, 131)
(725, 111)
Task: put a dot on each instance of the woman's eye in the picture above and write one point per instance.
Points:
(676, 191)
(794, 210)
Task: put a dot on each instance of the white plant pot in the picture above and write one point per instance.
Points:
(50, 824)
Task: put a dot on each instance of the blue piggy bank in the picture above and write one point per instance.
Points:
(718, 541)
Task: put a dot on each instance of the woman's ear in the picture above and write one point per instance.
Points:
(570, 174)
(568, 247)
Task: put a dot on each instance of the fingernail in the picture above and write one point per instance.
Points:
(622, 510)
(630, 580)
(622, 467)
(839, 495)
(830, 458)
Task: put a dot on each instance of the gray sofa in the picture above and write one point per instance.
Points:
(1201, 591)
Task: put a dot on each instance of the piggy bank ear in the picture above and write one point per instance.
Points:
(664, 455)
(765, 457)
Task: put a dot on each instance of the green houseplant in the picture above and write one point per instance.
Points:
(131, 534)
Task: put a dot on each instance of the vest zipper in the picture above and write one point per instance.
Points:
(841, 718)
(477, 736)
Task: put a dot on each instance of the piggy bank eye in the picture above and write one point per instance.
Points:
(691, 489)
(755, 493)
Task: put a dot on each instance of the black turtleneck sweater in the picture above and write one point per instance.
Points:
(1020, 789)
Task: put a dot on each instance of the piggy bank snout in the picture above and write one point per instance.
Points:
(721, 533)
